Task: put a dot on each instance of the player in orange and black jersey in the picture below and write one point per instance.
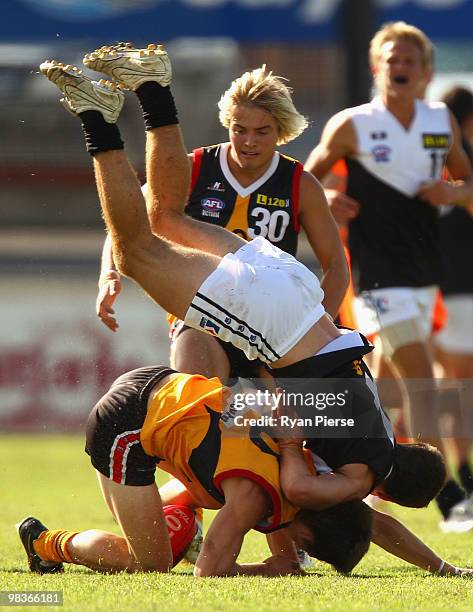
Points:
(268, 207)
(154, 416)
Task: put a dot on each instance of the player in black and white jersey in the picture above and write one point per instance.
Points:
(395, 148)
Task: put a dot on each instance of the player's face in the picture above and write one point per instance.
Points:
(400, 71)
(253, 136)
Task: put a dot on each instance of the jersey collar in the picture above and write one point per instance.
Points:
(245, 191)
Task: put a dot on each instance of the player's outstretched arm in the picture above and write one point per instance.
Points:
(109, 287)
(245, 505)
(395, 538)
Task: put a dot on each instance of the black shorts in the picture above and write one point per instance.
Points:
(240, 365)
(114, 426)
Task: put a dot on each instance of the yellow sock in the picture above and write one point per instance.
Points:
(52, 545)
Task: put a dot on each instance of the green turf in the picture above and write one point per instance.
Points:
(50, 477)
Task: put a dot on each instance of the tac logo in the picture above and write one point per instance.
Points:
(212, 204)
(209, 326)
(381, 153)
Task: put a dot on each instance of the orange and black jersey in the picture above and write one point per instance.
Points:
(268, 207)
(185, 431)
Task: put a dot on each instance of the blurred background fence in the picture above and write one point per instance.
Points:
(55, 358)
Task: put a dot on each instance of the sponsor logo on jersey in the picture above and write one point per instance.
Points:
(379, 135)
(209, 326)
(381, 153)
(217, 186)
(265, 200)
(436, 141)
(212, 204)
(211, 207)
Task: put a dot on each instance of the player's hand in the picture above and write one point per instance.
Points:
(287, 432)
(452, 570)
(109, 287)
(283, 566)
(438, 193)
(342, 207)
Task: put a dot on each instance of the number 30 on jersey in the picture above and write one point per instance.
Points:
(269, 224)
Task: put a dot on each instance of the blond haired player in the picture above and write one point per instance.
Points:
(247, 186)
(395, 148)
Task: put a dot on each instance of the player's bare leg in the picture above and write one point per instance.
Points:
(143, 547)
(413, 363)
(150, 261)
(147, 72)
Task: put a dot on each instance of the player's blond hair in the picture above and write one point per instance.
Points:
(400, 30)
(261, 88)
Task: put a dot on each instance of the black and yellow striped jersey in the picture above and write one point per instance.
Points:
(268, 207)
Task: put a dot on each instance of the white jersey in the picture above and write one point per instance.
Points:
(394, 240)
(403, 159)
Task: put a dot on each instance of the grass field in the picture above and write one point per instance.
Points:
(50, 477)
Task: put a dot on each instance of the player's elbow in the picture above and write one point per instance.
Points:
(296, 493)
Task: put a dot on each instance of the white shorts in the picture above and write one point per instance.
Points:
(400, 315)
(260, 299)
(457, 335)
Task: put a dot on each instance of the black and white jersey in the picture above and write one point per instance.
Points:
(338, 371)
(394, 240)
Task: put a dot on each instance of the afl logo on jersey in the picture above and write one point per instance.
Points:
(212, 204)
(211, 207)
(381, 153)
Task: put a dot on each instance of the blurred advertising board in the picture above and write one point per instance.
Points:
(243, 20)
(57, 359)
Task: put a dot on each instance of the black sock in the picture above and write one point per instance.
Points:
(450, 495)
(158, 106)
(99, 135)
(466, 477)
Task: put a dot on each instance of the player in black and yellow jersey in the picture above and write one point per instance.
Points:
(251, 189)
